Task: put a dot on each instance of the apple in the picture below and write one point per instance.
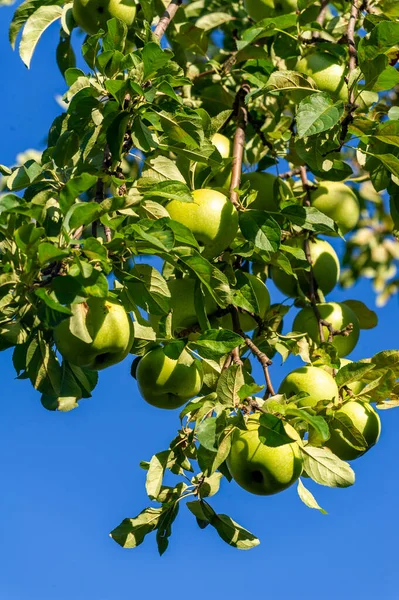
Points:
(92, 15)
(182, 304)
(108, 325)
(223, 144)
(211, 217)
(364, 419)
(263, 469)
(225, 147)
(262, 9)
(262, 295)
(167, 378)
(339, 202)
(339, 315)
(326, 269)
(327, 73)
(319, 384)
(264, 184)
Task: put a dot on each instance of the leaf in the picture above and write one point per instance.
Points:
(148, 289)
(162, 168)
(325, 468)
(215, 343)
(43, 368)
(36, 24)
(288, 80)
(116, 133)
(261, 229)
(209, 485)
(164, 530)
(367, 318)
(317, 113)
(390, 161)
(155, 473)
(75, 186)
(206, 433)
(229, 384)
(272, 431)
(310, 218)
(352, 372)
(154, 58)
(230, 532)
(308, 498)
(317, 422)
(131, 532)
(172, 190)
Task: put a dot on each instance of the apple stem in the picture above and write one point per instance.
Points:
(241, 114)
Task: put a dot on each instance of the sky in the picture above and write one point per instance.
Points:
(67, 479)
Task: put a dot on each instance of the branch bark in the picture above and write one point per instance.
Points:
(241, 114)
(166, 18)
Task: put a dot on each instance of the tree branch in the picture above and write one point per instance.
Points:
(313, 295)
(241, 114)
(166, 18)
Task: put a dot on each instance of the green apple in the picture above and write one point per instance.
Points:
(262, 9)
(108, 325)
(211, 217)
(327, 73)
(319, 384)
(167, 378)
(326, 269)
(339, 202)
(265, 184)
(339, 315)
(225, 148)
(92, 15)
(264, 469)
(262, 295)
(223, 144)
(364, 418)
(182, 304)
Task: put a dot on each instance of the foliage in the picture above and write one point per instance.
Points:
(77, 220)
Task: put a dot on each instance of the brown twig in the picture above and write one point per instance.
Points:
(166, 18)
(321, 17)
(313, 294)
(350, 32)
(289, 174)
(241, 114)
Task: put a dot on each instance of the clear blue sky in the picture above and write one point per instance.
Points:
(68, 479)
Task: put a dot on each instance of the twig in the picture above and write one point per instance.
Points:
(241, 114)
(313, 295)
(289, 174)
(323, 12)
(333, 332)
(351, 45)
(166, 18)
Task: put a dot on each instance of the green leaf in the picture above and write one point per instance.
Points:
(43, 368)
(390, 161)
(131, 532)
(172, 190)
(65, 54)
(261, 229)
(67, 145)
(229, 384)
(215, 343)
(206, 433)
(155, 473)
(309, 218)
(325, 468)
(116, 134)
(317, 422)
(317, 113)
(272, 431)
(147, 288)
(230, 532)
(308, 498)
(154, 58)
(353, 372)
(36, 24)
(288, 80)
(367, 318)
(74, 188)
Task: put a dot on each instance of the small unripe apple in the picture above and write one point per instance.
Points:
(339, 202)
(325, 264)
(365, 420)
(263, 469)
(319, 384)
(339, 315)
(109, 326)
(211, 217)
(225, 148)
(167, 378)
(247, 322)
(265, 184)
(327, 73)
(92, 15)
